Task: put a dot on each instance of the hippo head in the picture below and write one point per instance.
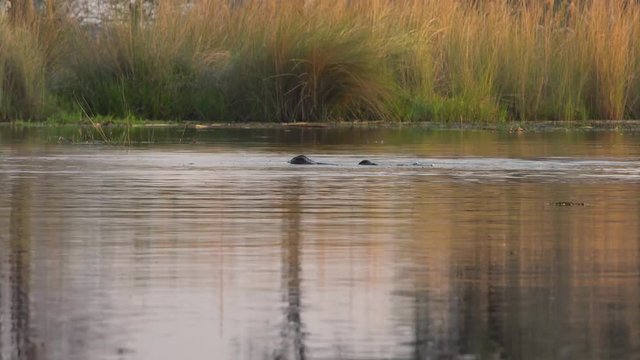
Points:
(367, 162)
(302, 160)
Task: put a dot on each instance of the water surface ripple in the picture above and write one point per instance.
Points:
(217, 251)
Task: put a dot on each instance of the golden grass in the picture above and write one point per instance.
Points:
(293, 60)
(22, 86)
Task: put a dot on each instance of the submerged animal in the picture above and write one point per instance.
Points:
(367, 162)
(303, 160)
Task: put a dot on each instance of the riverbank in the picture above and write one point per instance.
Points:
(511, 126)
(454, 63)
(307, 139)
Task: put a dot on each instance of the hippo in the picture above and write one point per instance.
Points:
(303, 160)
(367, 162)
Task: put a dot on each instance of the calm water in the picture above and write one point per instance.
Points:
(220, 249)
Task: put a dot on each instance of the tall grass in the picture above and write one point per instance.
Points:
(22, 72)
(313, 60)
(160, 71)
(297, 65)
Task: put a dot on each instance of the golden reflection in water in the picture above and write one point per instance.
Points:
(158, 261)
(522, 277)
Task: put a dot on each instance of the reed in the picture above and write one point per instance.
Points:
(299, 66)
(293, 60)
(22, 77)
(159, 71)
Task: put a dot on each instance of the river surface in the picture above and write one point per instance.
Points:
(209, 245)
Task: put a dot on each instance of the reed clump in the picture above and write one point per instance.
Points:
(295, 60)
(157, 70)
(23, 92)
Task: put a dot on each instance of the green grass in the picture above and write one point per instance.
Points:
(284, 61)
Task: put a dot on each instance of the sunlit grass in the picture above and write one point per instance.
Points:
(23, 92)
(292, 60)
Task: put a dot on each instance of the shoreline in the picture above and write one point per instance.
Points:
(510, 126)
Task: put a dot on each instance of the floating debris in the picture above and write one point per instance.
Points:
(303, 124)
(567, 203)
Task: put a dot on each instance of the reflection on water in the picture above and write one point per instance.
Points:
(218, 250)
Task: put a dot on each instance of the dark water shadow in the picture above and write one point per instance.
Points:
(21, 344)
(293, 336)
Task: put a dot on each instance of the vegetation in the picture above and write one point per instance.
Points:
(294, 60)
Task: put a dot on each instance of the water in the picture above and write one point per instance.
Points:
(219, 249)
